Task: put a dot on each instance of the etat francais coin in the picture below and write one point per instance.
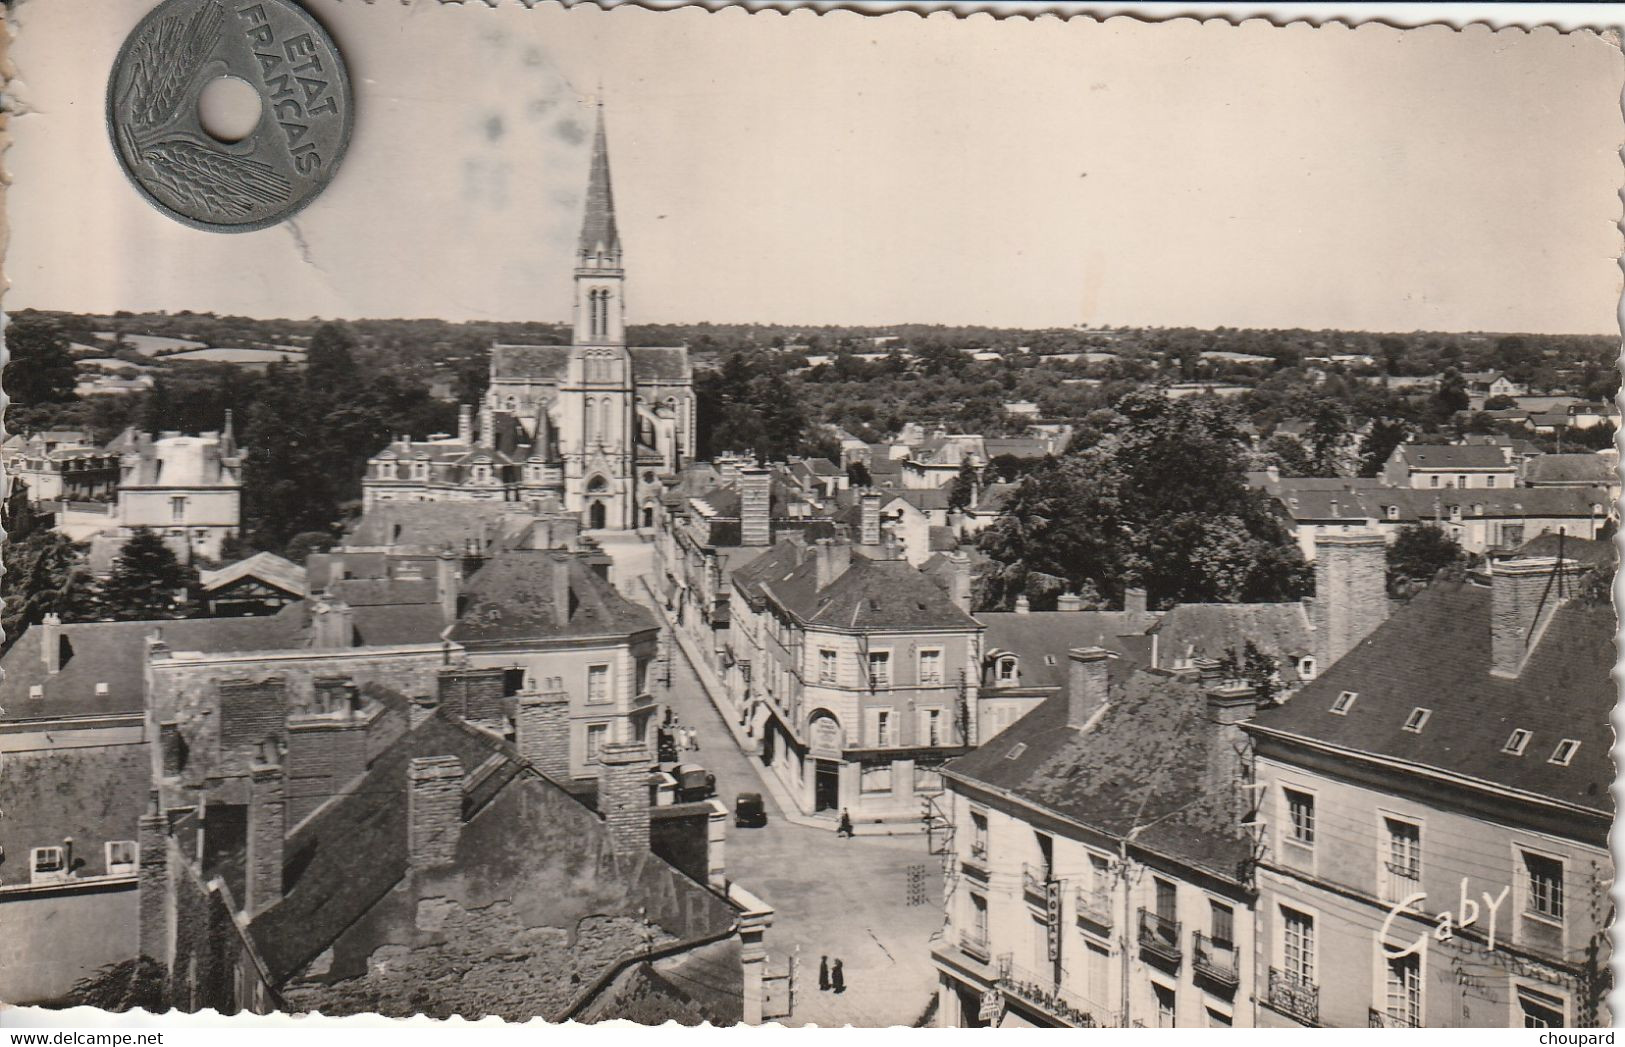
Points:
(305, 107)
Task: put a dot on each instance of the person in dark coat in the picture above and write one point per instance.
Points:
(845, 828)
(823, 974)
(837, 980)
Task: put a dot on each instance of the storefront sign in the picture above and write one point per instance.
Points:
(1052, 908)
(826, 735)
(992, 1006)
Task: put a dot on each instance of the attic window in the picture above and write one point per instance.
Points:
(1564, 752)
(1517, 741)
(1344, 702)
(36, 690)
(1417, 719)
(101, 690)
(1016, 751)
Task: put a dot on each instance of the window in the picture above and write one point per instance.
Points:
(1217, 1019)
(597, 735)
(1540, 1010)
(826, 665)
(1007, 672)
(597, 683)
(1417, 719)
(120, 857)
(1298, 944)
(1167, 901)
(1489, 481)
(641, 674)
(1404, 860)
(933, 727)
(875, 778)
(1461, 481)
(1300, 812)
(1405, 991)
(177, 509)
(36, 691)
(1392, 512)
(978, 835)
(1517, 741)
(1165, 1006)
(931, 669)
(1344, 702)
(1564, 752)
(879, 669)
(1543, 894)
(978, 917)
(1224, 923)
(883, 736)
(1433, 481)
(48, 863)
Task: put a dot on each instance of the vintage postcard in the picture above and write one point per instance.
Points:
(745, 518)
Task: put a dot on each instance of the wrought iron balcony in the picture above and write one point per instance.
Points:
(1159, 936)
(1095, 906)
(1042, 992)
(1400, 881)
(1294, 996)
(1215, 960)
(974, 944)
(1385, 1020)
(1034, 880)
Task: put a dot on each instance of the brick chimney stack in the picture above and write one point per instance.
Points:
(869, 518)
(51, 642)
(434, 810)
(542, 729)
(267, 830)
(623, 796)
(465, 423)
(959, 580)
(1523, 597)
(755, 506)
(1351, 592)
(1087, 680)
(152, 884)
(332, 624)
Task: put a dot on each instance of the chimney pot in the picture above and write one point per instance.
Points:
(1087, 683)
(1069, 602)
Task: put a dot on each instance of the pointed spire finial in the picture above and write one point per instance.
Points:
(599, 236)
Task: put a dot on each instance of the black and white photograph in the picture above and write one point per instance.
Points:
(749, 517)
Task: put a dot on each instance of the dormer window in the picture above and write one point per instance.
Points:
(121, 857)
(1016, 751)
(1417, 719)
(101, 690)
(1455, 512)
(1306, 668)
(1564, 752)
(1007, 671)
(1391, 511)
(1517, 742)
(47, 863)
(1344, 702)
(36, 690)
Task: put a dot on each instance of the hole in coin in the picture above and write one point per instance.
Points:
(228, 109)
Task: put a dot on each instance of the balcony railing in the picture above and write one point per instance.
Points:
(1294, 996)
(1160, 936)
(1400, 881)
(1042, 992)
(974, 944)
(1384, 1020)
(978, 851)
(1095, 906)
(1034, 879)
(1215, 960)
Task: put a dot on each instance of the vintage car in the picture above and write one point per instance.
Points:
(750, 811)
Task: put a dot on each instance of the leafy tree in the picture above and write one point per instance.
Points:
(857, 474)
(39, 367)
(1379, 442)
(148, 581)
(1327, 439)
(288, 482)
(1254, 667)
(1288, 455)
(1451, 396)
(963, 489)
(123, 986)
(1418, 554)
(44, 573)
(1501, 403)
(300, 546)
(330, 367)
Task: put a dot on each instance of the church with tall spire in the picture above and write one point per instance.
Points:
(586, 428)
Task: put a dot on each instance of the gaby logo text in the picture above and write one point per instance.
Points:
(1446, 923)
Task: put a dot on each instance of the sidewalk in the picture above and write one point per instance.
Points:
(715, 693)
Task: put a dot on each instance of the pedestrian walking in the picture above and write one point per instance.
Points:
(689, 735)
(845, 830)
(823, 974)
(837, 980)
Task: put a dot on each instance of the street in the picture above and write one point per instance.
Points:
(841, 898)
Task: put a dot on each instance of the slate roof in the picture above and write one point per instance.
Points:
(511, 598)
(1152, 761)
(433, 526)
(267, 567)
(598, 230)
(1415, 504)
(1041, 640)
(995, 497)
(1018, 447)
(1434, 653)
(1212, 630)
(1453, 456)
(1570, 469)
(92, 794)
(868, 595)
(924, 499)
(547, 363)
(1585, 550)
(115, 653)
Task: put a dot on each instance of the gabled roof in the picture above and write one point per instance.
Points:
(1434, 653)
(1152, 762)
(1453, 456)
(1213, 630)
(547, 363)
(1040, 640)
(868, 595)
(269, 568)
(433, 526)
(511, 597)
(1587, 551)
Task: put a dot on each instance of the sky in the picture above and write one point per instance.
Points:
(850, 169)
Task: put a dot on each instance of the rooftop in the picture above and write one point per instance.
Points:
(514, 597)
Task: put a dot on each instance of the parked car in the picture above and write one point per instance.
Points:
(694, 783)
(750, 811)
(666, 746)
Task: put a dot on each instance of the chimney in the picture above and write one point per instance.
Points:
(623, 796)
(559, 580)
(728, 468)
(448, 584)
(152, 884)
(487, 423)
(1231, 703)
(267, 829)
(332, 625)
(1069, 602)
(1208, 670)
(1351, 592)
(755, 506)
(1023, 605)
(1134, 600)
(434, 810)
(1523, 597)
(465, 424)
(335, 570)
(833, 560)
(51, 642)
(1086, 684)
(542, 729)
(956, 521)
(869, 518)
(423, 707)
(959, 580)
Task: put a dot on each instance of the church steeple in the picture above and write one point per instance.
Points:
(600, 246)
